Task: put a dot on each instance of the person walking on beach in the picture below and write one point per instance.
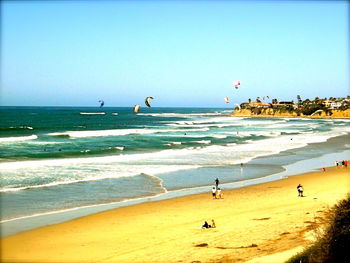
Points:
(217, 183)
(300, 190)
(213, 192)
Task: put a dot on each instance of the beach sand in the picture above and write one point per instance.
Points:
(251, 223)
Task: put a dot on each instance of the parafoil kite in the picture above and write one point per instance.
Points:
(147, 101)
(136, 108)
(236, 83)
(102, 103)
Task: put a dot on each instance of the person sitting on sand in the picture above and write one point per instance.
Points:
(205, 225)
(213, 223)
(300, 190)
(219, 194)
(214, 192)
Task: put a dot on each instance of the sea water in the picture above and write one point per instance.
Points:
(57, 159)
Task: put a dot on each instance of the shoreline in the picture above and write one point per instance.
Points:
(305, 164)
(268, 215)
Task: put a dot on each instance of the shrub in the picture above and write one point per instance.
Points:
(333, 245)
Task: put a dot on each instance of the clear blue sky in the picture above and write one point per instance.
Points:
(184, 53)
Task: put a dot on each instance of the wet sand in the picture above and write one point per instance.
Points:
(251, 222)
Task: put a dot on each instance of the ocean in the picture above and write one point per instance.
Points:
(54, 160)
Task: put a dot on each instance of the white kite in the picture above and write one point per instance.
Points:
(136, 108)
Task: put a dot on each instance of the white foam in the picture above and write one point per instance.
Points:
(278, 143)
(43, 142)
(121, 132)
(22, 127)
(18, 139)
(203, 141)
(219, 136)
(118, 172)
(209, 125)
(121, 148)
(105, 133)
(96, 168)
(183, 115)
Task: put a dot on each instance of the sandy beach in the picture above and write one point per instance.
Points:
(251, 222)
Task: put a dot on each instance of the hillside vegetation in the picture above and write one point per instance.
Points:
(269, 112)
(333, 244)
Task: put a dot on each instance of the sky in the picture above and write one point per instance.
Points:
(183, 53)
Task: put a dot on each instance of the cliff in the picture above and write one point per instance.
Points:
(257, 112)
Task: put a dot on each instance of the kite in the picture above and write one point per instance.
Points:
(236, 83)
(147, 101)
(136, 108)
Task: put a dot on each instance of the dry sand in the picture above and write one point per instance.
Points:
(252, 222)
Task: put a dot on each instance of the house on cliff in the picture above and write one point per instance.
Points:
(335, 104)
(252, 105)
(285, 104)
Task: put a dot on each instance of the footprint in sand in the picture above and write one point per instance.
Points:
(263, 218)
(201, 245)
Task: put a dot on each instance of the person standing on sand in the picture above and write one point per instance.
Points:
(213, 192)
(217, 183)
(300, 190)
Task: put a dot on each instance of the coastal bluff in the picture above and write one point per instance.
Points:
(269, 112)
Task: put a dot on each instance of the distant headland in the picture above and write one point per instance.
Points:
(317, 108)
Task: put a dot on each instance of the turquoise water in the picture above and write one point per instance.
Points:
(53, 159)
